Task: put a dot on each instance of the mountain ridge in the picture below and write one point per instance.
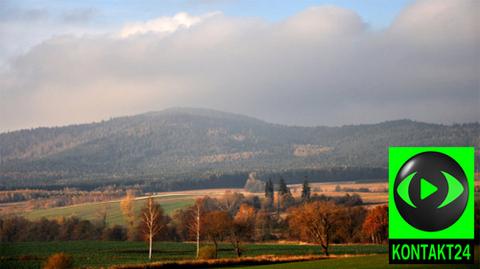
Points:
(191, 143)
(195, 111)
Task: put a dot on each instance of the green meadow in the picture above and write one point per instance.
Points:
(91, 211)
(26, 255)
(376, 261)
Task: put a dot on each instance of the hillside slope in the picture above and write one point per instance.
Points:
(189, 143)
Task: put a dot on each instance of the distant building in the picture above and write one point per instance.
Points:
(253, 184)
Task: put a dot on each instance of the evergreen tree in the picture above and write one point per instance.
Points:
(269, 189)
(269, 193)
(285, 198)
(282, 188)
(306, 191)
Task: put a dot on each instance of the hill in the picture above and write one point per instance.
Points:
(187, 148)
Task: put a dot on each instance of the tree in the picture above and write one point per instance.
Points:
(101, 216)
(285, 198)
(375, 226)
(59, 261)
(338, 188)
(128, 212)
(350, 224)
(245, 213)
(282, 187)
(242, 227)
(269, 193)
(153, 222)
(269, 189)
(197, 228)
(315, 222)
(188, 222)
(306, 191)
(217, 224)
(231, 202)
(264, 225)
(115, 233)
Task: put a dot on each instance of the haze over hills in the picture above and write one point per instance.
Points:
(198, 145)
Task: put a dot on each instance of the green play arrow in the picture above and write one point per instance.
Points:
(455, 189)
(403, 187)
(426, 188)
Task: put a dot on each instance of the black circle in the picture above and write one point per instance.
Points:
(426, 215)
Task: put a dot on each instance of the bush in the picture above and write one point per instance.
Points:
(59, 261)
(206, 252)
(115, 233)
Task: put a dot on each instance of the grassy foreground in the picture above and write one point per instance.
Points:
(363, 262)
(99, 253)
(90, 211)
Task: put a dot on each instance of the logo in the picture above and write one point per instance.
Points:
(431, 204)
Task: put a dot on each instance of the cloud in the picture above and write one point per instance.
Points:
(321, 66)
(164, 24)
(22, 28)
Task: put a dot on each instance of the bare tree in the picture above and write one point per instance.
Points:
(230, 202)
(198, 230)
(315, 222)
(153, 222)
(188, 222)
(216, 226)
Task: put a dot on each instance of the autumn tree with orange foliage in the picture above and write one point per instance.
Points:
(242, 228)
(216, 227)
(59, 261)
(375, 226)
(315, 222)
(246, 215)
(264, 222)
(350, 224)
(128, 212)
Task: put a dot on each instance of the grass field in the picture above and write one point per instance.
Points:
(363, 262)
(171, 201)
(97, 253)
(90, 211)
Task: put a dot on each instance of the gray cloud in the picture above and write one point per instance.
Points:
(321, 66)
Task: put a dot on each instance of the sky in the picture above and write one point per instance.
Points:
(289, 62)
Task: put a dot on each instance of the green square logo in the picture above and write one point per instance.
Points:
(431, 192)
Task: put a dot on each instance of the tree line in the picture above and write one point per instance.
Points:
(233, 218)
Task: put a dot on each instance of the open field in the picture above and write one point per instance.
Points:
(98, 253)
(171, 201)
(376, 261)
(377, 191)
(91, 211)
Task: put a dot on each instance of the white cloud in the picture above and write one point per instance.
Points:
(321, 66)
(164, 24)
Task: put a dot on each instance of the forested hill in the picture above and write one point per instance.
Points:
(186, 145)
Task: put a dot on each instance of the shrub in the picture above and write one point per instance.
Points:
(206, 252)
(59, 261)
